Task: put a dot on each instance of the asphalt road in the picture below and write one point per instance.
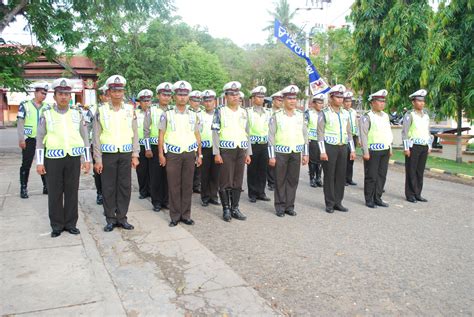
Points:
(408, 259)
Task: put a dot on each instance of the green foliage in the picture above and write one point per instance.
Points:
(283, 14)
(162, 52)
(403, 46)
(68, 23)
(448, 69)
(335, 59)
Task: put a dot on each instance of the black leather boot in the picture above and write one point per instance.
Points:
(225, 205)
(234, 210)
(312, 171)
(23, 184)
(45, 188)
(100, 199)
(319, 172)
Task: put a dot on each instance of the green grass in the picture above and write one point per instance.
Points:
(436, 162)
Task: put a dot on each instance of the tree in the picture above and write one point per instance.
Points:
(283, 14)
(403, 44)
(335, 58)
(69, 23)
(367, 17)
(390, 42)
(449, 63)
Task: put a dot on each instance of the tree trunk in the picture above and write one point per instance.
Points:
(10, 15)
(458, 133)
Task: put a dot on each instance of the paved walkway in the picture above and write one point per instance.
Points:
(151, 271)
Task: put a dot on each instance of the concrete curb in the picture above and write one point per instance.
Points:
(437, 170)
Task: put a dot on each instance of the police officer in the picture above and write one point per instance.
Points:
(61, 140)
(195, 100)
(115, 149)
(230, 145)
(277, 102)
(158, 179)
(179, 139)
(334, 133)
(209, 168)
(417, 145)
(376, 140)
(259, 117)
(89, 118)
(143, 169)
(347, 102)
(27, 123)
(287, 140)
(312, 115)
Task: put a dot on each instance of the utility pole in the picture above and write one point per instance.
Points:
(311, 5)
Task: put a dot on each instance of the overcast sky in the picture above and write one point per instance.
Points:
(242, 21)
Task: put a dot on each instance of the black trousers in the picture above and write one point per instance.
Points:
(350, 163)
(287, 172)
(158, 180)
(197, 178)
(257, 170)
(27, 155)
(209, 176)
(116, 185)
(414, 170)
(97, 180)
(271, 176)
(375, 174)
(334, 174)
(180, 168)
(63, 187)
(143, 173)
(231, 172)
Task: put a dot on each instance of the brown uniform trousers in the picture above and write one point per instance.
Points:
(231, 173)
(287, 172)
(180, 171)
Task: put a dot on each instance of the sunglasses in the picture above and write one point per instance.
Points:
(232, 93)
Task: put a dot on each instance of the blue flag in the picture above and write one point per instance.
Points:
(316, 83)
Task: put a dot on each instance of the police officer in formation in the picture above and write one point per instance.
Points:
(209, 168)
(231, 147)
(334, 134)
(195, 100)
(347, 102)
(315, 166)
(376, 141)
(417, 145)
(277, 102)
(143, 169)
(27, 124)
(258, 117)
(116, 148)
(103, 99)
(62, 138)
(179, 141)
(287, 140)
(158, 179)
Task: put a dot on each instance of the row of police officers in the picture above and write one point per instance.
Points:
(167, 144)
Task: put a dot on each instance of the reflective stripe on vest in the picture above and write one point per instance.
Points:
(313, 124)
(63, 135)
(380, 133)
(155, 113)
(180, 127)
(117, 132)
(258, 125)
(232, 133)
(419, 132)
(206, 132)
(31, 118)
(289, 133)
(335, 126)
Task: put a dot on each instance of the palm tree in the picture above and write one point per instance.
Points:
(283, 14)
